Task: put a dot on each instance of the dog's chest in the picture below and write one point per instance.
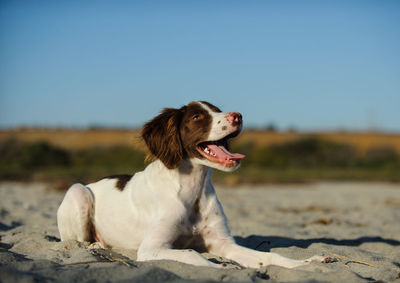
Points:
(190, 230)
(191, 222)
(193, 217)
(191, 195)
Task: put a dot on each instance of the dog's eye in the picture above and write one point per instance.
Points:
(195, 117)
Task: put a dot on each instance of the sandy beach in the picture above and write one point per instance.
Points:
(356, 223)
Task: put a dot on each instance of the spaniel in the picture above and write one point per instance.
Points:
(169, 211)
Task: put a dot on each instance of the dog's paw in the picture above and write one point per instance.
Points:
(96, 245)
(328, 259)
(319, 258)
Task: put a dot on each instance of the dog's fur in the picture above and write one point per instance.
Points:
(170, 210)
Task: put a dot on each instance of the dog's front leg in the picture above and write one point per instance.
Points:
(255, 259)
(219, 241)
(157, 246)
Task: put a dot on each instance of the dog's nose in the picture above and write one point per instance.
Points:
(235, 118)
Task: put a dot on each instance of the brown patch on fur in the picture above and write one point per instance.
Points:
(122, 180)
(260, 263)
(195, 242)
(92, 232)
(196, 207)
(205, 219)
(195, 215)
(195, 128)
(224, 128)
(187, 169)
(208, 247)
(162, 138)
(217, 213)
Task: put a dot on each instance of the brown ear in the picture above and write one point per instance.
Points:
(162, 137)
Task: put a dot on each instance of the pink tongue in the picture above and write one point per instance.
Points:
(223, 154)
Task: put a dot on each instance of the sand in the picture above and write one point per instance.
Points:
(360, 221)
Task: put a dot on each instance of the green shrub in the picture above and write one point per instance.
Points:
(26, 161)
(380, 157)
(308, 152)
(110, 158)
(32, 155)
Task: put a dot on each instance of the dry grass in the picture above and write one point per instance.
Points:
(77, 139)
(82, 139)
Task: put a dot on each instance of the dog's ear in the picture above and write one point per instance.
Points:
(162, 137)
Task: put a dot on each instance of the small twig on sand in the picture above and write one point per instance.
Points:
(340, 261)
(107, 257)
(351, 260)
(120, 260)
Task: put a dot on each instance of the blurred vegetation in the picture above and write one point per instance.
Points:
(310, 159)
(41, 161)
(303, 160)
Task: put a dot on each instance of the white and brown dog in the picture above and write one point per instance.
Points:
(170, 210)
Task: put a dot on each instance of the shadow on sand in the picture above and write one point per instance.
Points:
(265, 243)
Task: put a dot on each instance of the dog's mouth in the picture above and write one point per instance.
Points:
(218, 151)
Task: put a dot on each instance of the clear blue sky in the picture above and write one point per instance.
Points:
(307, 64)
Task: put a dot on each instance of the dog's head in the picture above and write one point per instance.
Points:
(199, 131)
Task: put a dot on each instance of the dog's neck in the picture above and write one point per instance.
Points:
(191, 178)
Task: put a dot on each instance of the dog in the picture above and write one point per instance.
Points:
(169, 211)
